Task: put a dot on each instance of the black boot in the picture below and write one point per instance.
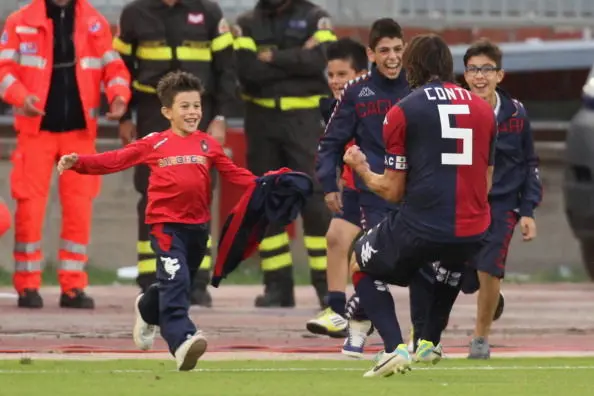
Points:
(145, 280)
(320, 284)
(30, 298)
(76, 298)
(278, 289)
(200, 295)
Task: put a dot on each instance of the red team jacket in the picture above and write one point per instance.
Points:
(179, 183)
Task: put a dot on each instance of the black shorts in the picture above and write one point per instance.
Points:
(351, 211)
(493, 256)
(391, 253)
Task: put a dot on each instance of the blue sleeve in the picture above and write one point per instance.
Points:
(531, 193)
(340, 130)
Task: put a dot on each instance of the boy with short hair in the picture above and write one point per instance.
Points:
(178, 210)
(347, 60)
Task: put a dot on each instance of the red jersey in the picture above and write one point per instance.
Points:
(348, 176)
(179, 183)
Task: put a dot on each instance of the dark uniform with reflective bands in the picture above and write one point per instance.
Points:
(154, 39)
(283, 123)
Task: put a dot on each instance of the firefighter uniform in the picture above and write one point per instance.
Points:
(154, 39)
(60, 55)
(283, 123)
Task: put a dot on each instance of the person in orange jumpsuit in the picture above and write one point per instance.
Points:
(55, 56)
(5, 218)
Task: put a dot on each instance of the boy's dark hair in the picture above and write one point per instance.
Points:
(349, 50)
(175, 82)
(426, 58)
(384, 28)
(484, 47)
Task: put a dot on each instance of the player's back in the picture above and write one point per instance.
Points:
(449, 140)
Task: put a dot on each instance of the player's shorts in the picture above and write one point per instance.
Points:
(391, 253)
(372, 215)
(493, 256)
(351, 211)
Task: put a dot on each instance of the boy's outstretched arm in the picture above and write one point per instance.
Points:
(109, 161)
(229, 171)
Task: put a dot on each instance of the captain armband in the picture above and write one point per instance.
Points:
(395, 162)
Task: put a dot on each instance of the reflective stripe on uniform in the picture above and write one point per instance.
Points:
(184, 53)
(154, 53)
(275, 252)
(122, 47)
(148, 266)
(193, 54)
(117, 81)
(287, 103)
(72, 265)
(32, 61)
(73, 247)
(110, 56)
(277, 262)
(91, 62)
(28, 266)
(9, 54)
(316, 250)
(324, 36)
(6, 83)
(27, 247)
(221, 42)
(144, 247)
(143, 88)
(245, 43)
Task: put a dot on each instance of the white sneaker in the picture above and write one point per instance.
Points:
(388, 364)
(354, 344)
(143, 333)
(190, 351)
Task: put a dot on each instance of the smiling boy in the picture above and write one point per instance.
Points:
(178, 211)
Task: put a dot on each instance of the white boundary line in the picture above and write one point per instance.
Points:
(303, 369)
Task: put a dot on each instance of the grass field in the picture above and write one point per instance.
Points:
(451, 377)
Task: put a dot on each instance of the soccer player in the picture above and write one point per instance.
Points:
(439, 153)
(178, 210)
(347, 59)
(517, 189)
(358, 115)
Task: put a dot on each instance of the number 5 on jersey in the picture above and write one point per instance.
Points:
(450, 132)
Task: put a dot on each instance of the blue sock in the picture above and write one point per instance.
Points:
(377, 302)
(337, 301)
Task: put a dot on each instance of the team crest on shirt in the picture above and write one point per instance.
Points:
(94, 26)
(195, 18)
(204, 146)
(28, 48)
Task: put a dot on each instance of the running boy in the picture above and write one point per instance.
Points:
(178, 210)
(347, 59)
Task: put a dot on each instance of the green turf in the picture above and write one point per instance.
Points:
(497, 377)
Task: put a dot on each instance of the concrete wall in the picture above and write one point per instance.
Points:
(114, 226)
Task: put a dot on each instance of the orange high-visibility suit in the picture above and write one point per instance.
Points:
(26, 67)
(5, 218)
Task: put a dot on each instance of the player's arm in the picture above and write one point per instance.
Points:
(114, 161)
(12, 91)
(491, 167)
(390, 185)
(229, 171)
(311, 59)
(221, 46)
(531, 194)
(125, 43)
(251, 70)
(340, 130)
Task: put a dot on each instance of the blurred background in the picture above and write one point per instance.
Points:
(548, 56)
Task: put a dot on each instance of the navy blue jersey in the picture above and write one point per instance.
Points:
(516, 184)
(359, 115)
(443, 136)
(326, 108)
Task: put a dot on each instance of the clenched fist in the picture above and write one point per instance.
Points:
(67, 162)
(355, 158)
